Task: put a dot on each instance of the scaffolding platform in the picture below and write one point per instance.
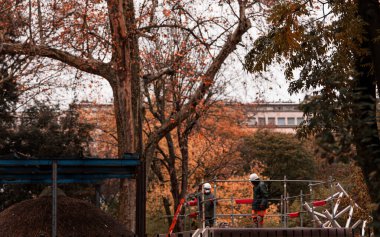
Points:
(265, 232)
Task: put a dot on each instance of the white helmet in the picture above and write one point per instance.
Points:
(207, 188)
(253, 177)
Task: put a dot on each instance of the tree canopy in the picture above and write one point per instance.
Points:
(280, 155)
(330, 51)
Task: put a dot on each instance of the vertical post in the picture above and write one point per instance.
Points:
(185, 213)
(312, 206)
(332, 201)
(282, 209)
(301, 208)
(141, 198)
(214, 203)
(232, 210)
(97, 195)
(54, 199)
(285, 204)
(287, 210)
(203, 207)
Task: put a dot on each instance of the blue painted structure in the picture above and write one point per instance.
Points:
(55, 170)
(69, 170)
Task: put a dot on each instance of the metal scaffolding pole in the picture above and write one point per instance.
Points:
(214, 203)
(54, 199)
(285, 203)
(301, 208)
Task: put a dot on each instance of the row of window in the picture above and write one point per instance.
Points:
(279, 108)
(276, 121)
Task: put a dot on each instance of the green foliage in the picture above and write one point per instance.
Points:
(336, 52)
(281, 154)
(323, 50)
(8, 100)
(43, 132)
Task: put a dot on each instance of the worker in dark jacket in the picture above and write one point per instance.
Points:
(209, 205)
(260, 200)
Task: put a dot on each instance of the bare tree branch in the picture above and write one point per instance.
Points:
(87, 65)
(208, 79)
(149, 78)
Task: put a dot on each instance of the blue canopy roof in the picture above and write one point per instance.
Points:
(69, 170)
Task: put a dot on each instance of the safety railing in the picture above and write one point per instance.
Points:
(314, 209)
(283, 202)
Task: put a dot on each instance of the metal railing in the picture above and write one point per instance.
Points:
(285, 213)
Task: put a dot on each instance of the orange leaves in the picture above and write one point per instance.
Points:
(166, 12)
(289, 33)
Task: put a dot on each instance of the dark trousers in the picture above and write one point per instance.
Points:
(209, 221)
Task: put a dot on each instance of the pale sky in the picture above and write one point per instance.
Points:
(243, 87)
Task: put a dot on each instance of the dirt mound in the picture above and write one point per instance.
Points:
(76, 218)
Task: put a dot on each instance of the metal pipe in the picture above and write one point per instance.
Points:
(54, 199)
(214, 203)
(315, 182)
(312, 206)
(97, 195)
(282, 208)
(287, 210)
(332, 200)
(285, 204)
(228, 215)
(232, 210)
(185, 219)
(301, 208)
(203, 207)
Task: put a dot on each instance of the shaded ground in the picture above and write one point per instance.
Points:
(32, 218)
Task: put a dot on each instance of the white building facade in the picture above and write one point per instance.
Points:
(281, 117)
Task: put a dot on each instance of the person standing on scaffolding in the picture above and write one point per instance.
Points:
(260, 200)
(209, 205)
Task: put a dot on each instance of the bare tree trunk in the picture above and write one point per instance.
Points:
(174, 185)
(40, 28)
(184, 148)
(167, 209)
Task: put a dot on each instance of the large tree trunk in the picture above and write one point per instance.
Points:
(126, 143)
(366, 131)
(126, 90)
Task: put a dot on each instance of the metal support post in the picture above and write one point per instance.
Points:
(285, 204)
(203, 207)
(287, 210)
(301, 208)
(232, 210)
(185, 215)
(282, 209)
(141, 200)
(214, 203)
(332, 199)
(312, 206)
(54, 200)
(97, 195)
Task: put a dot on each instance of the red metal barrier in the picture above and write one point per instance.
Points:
(244, 201)
(193, 215)
(294, 214)
(319, 203)
(192, 203)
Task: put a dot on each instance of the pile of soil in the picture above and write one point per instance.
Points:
(76, 218)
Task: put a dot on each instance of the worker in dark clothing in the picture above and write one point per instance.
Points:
(209, 205)
(260, 200)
